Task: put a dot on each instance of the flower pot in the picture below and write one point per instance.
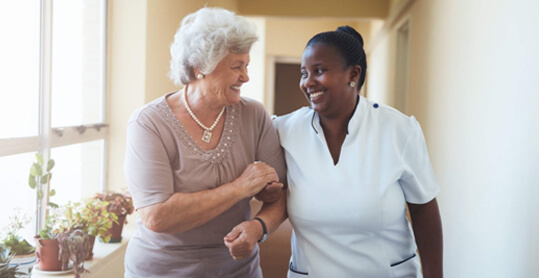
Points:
(91, 249)
(47, 253)
(24, 262)
(116, 230)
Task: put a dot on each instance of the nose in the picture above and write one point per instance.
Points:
(244, 75)
(307, 82)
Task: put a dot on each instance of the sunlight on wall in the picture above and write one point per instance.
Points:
(473, 84)
(255, 87)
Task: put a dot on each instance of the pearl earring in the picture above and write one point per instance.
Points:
(200, 76)
(352, 84)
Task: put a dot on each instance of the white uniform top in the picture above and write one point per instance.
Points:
(349, 219)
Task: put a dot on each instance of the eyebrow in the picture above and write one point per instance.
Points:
(238, 62)
(315, 65)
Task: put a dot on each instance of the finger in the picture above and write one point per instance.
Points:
(238, 249)
(274, 187)
(235, 233)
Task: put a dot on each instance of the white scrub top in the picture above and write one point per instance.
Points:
(349, 219)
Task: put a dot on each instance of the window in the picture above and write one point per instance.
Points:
(52, 100)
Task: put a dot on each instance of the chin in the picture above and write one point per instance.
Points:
(234, 100)
(320, 109)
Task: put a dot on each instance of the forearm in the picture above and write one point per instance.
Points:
(184, 211)
(274, 214)
(427, 226)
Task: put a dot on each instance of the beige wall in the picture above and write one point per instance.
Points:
(319, 8)
(287, 37)
(473, 87)
(126, 78)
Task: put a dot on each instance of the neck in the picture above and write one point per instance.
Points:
(201, 102)
(338, 123)
(200, 106)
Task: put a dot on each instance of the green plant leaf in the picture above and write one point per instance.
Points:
(106, 239)
(53, 205)
(33, 170)
(39, 194)
(37, 169)
(50, 165)
(32, 181)
(44, 234)
(39, 158)
(52, 193)
(43, 179)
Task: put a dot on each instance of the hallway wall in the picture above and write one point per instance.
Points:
(474, 89)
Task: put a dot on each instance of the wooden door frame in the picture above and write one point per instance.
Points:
(269, 96)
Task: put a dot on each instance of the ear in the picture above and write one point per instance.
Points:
(355, 72)
(197, 73)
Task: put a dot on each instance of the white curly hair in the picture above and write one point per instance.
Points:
(203, 40)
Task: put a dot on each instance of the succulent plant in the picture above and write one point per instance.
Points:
(7, 271)
(74, 247)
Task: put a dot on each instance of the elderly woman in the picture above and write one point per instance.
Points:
(196, 157)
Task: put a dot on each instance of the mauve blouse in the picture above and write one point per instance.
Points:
(162, 158)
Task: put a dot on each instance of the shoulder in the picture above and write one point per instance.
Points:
(298, 116)
(388, 117)
(149, 112)
(384, 112)
(250, 105)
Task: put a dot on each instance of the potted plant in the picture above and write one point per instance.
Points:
(121, 204)
(64, 236)
(94, 218)
(47, 246)
(60, 243)
(7, 270)
(23, 253)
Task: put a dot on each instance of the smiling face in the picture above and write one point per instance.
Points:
(325, 80)
(225, 81)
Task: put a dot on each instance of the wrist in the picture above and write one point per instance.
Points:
(264, 229)
(237, 190)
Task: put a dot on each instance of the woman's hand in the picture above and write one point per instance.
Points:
(255, 177)
(242, 239)
(271, 193)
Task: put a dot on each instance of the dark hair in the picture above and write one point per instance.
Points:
(348, 43)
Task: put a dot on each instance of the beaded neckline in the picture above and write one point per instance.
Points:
(225, 142)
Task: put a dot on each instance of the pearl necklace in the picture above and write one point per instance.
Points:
(206, 136)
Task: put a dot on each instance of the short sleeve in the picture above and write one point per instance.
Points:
(269, 150)
(418, 181)
(147, 168)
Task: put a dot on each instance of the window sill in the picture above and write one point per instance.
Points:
(108, 260)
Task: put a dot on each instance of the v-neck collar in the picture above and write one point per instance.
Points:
(228, 136)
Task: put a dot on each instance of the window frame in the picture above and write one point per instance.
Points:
(49, 137)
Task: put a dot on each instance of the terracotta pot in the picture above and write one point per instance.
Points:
(47, 253)
(116, 230)
(91, 250)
